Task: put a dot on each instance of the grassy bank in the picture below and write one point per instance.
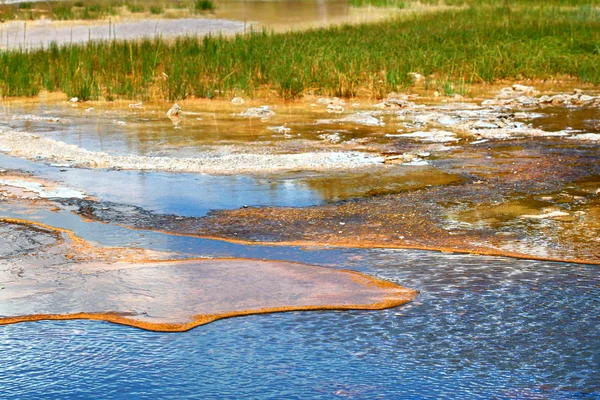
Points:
(450, 48)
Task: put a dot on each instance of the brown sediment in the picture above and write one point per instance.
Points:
(465, 248)
(448, 217)
(175, 296)
(199, 320)
(456, 246)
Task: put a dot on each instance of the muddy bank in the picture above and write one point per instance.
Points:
(62, 277)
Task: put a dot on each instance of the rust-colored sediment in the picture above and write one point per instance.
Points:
(369, 224)
(176, 296)
(481, 214)
(200, 319)
(475, 214)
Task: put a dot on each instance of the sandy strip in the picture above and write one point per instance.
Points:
(27, 145)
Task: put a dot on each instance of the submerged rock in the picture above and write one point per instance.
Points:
(360, 118)
(174, 114)
(363, 118)
(594, 137)
(335, 101)
(335, 108)
(283, 129)
(262, 112)
(407, 159)
(37, 118)
(519, 95)
(432, 136)
(331, 137)
(395, 103)
(548, 215)
(174, 111)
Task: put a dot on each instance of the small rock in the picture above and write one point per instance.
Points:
(416, 77)
(136, 105)
(484, 125)
(283, 129)
(586, 136)
(335, 108)
(524, 89)
(548, 215)
(174, 111)
(174, 114)
(262, 112)
(331, 138)
(236, 101)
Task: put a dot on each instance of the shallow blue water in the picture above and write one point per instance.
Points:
(481, 328)
(175, 193)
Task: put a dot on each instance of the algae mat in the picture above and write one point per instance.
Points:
(55, 282)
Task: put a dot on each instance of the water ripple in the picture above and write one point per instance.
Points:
(482, 328)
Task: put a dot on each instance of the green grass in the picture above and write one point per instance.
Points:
(136, 8)
(452, 49)
(204, 5)
(379, 3)
(156, 9)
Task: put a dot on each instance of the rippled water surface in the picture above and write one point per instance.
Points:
(481, 328)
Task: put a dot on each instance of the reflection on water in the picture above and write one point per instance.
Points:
(229, 18)
(481, 328)
(298, 14)
(120, 130)
(175, 193)
(348, 185)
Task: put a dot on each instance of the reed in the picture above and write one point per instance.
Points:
(452, 49)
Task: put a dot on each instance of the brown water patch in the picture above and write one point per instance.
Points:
(169, 295)
(545, 222)
(354, 184)
(579, 119)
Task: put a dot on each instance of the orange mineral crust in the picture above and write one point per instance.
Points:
(51, 282)
(180, 295)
